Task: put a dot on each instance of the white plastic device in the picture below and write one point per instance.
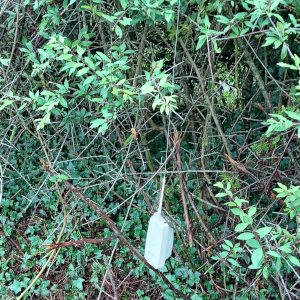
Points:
(160, 237)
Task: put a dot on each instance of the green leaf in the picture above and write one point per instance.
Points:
(196, 297)
(237, 211)
(230, 203)
(229, 243)
(219, 185)
(273, 253)
(147, 88)
(241, 227)
(103, 56)
(109, 18)
(82, 32)
(78, 283)
(82, 71)
(47, 93)
(201, 41)
(65, 56)
(97, 123)
(280, 28)
(245, 236)
(90, 63)
(63, 176)
(234, 262)
(119, 32)
(257, 257)
(75, 64)
(6, 103)
(4, 61)
(89, 79)
(128, 140)
(293, 115)
(63, 102)
(16, 286)
(284, 65)
(266, 272)
(219, 195)
(251, 211)
(294, 260)
(297, 60)
(253, 243)
(80, 51)
(240, 201)
(168, 15)
(262, 232)
(222, 19)
(269, 41)
(283, 51)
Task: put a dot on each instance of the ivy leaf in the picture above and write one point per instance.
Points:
(16, 286)
(196, 297)
(78, 283)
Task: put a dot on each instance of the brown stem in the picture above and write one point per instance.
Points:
(185, 207)
(210, 106)
(198, 215)
(112, 281)
(80, 242)
(279, 161)
(129, 164)
(140, 55)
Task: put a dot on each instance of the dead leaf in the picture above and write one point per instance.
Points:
(134, 133)
(237, 164)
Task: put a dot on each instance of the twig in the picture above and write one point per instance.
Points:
(279, 161)
(7, 3)
(80, 242)
(112, 281)
(15, 42)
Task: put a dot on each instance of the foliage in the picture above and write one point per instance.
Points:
(110, 94)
